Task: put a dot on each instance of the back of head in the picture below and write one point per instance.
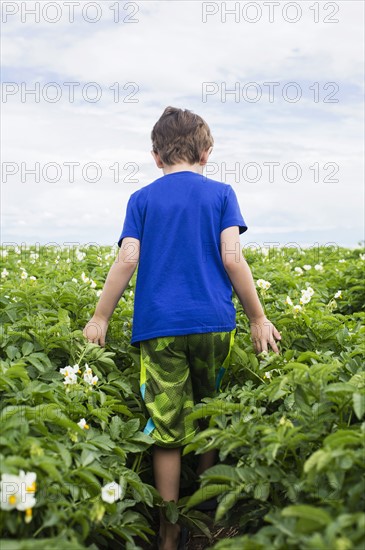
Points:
(180, 136)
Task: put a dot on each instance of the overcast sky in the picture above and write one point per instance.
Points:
(306, 126)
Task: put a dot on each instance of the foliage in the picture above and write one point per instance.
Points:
(288, 428)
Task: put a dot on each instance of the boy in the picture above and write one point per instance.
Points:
(183, 231)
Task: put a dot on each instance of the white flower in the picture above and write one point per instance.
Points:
(89, 378)
(362, 256)
(69, 371)
(70, 380)
(307, 267)
(34, 255)
(82, 424)
(84, 278)
(318, 267)
(332, 304)
(264, 285)
(70, 374)
(299, 270)
(306, 295)
(296, 309)
(4, 253)
(305, 298)
(267, 375)
(88, 371)
(32, 278)
(111, 492)
(4, 273)
(74, 280)
(338, 294)
(98, 292)
(288, 301)
(92, 283)
(24, 275)
(80, 255)
(17, 491)
(341, 261)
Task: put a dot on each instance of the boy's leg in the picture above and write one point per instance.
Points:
(206, 460)
(167, 468)
(167, 393)
(209, 359)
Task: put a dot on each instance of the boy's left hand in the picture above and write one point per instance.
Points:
(263, 332)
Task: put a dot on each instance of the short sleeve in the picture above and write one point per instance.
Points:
(132, 223)
(231, 214)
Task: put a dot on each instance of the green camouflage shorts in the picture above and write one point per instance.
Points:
(176, 373)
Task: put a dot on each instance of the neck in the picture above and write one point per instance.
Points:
(182, 167)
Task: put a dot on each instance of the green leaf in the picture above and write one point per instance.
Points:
(27, 348)
(17, 371)
(122, 409)
(205, 493)
(304, 511)
(342, 438)
(221, 473)
(307, 355)
(12, 352)
(87, 457)
(106, 362)
(262, 490)
(91, 483)
(196, 521)
(227, 502)
(172, 512)
(318, 460)
(101, 472)
(65, 454)
(340, 387)
(115, 427)
(358, 400)
(129, 428)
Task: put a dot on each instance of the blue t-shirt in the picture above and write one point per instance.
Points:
(182, 286)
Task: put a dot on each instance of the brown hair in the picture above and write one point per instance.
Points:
(180, 135)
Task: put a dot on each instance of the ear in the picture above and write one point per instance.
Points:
(204, 157)
(158, 160)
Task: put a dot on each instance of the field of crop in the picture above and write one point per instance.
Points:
(289, 428)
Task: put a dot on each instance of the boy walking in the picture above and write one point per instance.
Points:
(183, 232)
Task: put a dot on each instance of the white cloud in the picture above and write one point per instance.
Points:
(169, 54)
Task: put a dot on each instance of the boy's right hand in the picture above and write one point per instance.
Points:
(95, 330)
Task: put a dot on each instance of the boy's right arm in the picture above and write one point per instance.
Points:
(115, 284)
(239, 273)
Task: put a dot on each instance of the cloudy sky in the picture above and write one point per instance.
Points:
(280, 86)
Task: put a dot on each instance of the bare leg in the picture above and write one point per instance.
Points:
(206, 460)
(167, 468)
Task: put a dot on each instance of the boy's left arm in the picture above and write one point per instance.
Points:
(115, 284)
